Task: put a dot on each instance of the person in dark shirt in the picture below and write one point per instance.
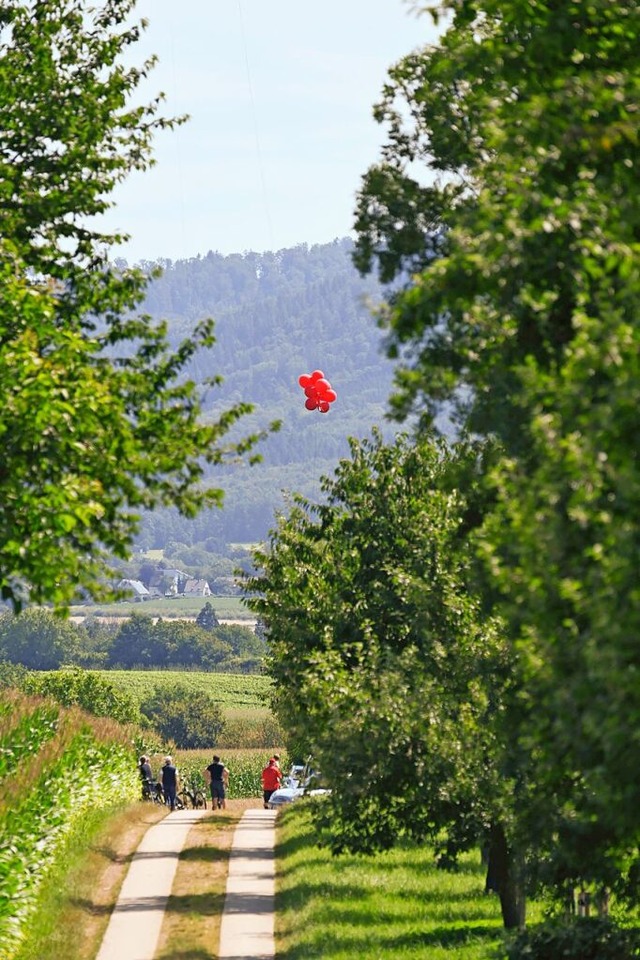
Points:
(145, 769)
(169, 782)
(218, 776)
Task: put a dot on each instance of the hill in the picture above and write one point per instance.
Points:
(277, 315)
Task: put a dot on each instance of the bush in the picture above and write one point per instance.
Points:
(585, 938)
(190, 718)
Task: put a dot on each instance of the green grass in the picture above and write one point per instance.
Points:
(226, 608)
(392, 905)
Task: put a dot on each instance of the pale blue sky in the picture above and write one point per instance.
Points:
(280, 95)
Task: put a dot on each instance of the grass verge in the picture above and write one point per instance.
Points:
(78, 895)
(394, 904)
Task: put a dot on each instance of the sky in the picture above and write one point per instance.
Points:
(280, 96)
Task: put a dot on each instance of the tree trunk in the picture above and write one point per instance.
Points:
(505, 876)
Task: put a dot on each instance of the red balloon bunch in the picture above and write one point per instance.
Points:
(318, 391)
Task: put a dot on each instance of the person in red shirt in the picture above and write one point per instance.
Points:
(271, 777)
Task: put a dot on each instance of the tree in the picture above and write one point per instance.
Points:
(141, 642)
(38, 640)
(521, 314)
(384, 665)
(190, 718)
(207, 618)
(98, 421)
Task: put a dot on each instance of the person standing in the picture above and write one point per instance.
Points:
(218, 776)
(169, 782)
(146, 774)
(271, 778)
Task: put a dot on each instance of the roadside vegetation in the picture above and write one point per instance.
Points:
(58, 767)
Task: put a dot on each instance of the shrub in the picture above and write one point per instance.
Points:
(585, 938)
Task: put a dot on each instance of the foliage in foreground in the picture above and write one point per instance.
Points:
(56, 766)
(382, 656)
(108, 425)
(589, 938)
(505, 204)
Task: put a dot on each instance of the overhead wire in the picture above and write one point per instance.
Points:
(263, 182)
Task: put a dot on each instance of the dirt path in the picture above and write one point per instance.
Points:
(183, 893)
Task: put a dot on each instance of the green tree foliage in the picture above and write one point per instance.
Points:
(207, 618)
(98, 421)
(522, 315)
(189, 718)
(168, 643)
(38, 640)
(384, 664)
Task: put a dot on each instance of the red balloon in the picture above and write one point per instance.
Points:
(304, 380)
(311, 403)
(311, 391)
(330, 395)
(322, 385)
(317, 375)
(323, 406)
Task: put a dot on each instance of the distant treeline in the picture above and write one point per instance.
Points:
(38, 640)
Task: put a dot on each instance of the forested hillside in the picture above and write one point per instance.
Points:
(277, 315)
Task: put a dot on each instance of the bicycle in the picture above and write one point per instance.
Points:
(193, 796)
(152, 792)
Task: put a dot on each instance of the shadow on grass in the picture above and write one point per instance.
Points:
(204, 854)
(288, 848)
(186, 955)
(448, 938)
(93, 909)
(201, 904)
(223, 819)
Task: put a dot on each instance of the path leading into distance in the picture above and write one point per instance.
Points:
(247, 927)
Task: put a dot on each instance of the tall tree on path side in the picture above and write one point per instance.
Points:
(98, 421)
(522, 313)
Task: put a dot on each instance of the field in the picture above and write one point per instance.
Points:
(244, 699)
(233, 691)
(226, 608)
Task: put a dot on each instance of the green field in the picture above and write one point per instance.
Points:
(236, 691)
(226, 608)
